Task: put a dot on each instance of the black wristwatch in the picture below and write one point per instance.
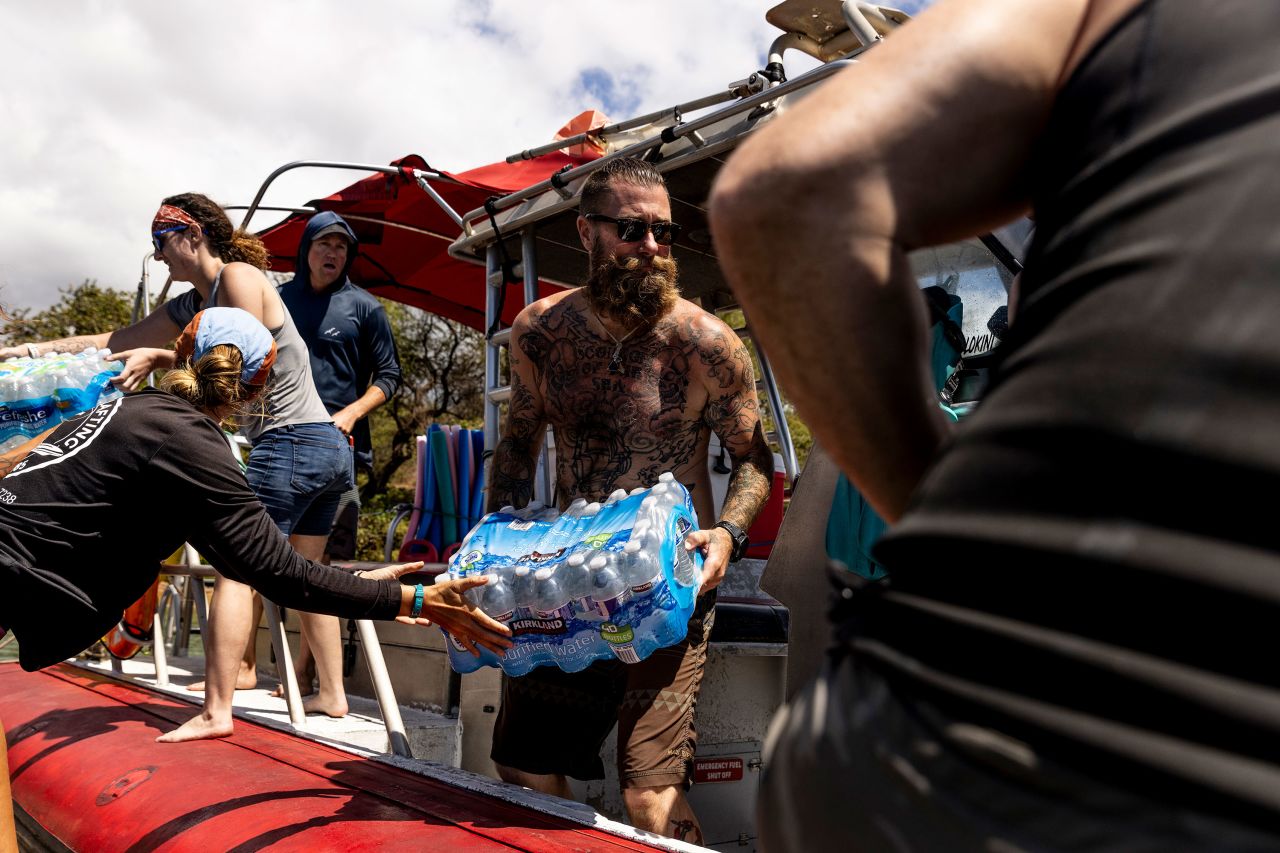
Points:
(740, 541)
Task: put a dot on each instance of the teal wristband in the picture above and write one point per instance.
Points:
(416, 611)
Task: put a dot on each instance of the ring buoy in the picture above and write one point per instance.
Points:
(134, 630)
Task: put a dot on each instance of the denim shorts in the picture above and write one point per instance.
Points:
(346, 525)
(299, 472)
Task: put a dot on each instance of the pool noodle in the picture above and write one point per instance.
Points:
(447, 508)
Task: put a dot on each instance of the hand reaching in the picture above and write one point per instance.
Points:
(469, 626)
(138, 364)
(444, 605)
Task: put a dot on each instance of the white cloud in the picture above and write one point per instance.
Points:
(110, 106)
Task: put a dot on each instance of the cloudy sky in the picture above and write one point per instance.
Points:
(109, 106)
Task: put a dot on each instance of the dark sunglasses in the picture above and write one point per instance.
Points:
(157, 236)
(633, 230)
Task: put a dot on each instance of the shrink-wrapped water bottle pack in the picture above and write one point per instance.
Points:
(599, 581)
(38, 393)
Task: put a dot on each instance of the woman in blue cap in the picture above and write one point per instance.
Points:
(83, 489)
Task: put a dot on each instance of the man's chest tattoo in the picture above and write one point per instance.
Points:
(636, 420)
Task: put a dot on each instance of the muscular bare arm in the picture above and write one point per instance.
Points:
(733, 414)
(921, 143)
(515, 461)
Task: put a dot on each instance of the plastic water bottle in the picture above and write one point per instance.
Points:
(650, 515)
(497, 599)
(587, 519)
(609, 590)
(574, 509)
(107, 371)
(11, 431)
(640, 531)
(35, 406)
(667, 494)
(686, 573)
(576, 581)
(548, 514)
(550, 600)
(522, 588)
(640, 568)
(475, 595)
(615, 496)
(68, 393)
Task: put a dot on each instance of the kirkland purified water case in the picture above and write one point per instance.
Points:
(599, 581)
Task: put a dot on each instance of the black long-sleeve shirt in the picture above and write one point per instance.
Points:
(87, 517)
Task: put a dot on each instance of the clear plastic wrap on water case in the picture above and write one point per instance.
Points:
(601, 581)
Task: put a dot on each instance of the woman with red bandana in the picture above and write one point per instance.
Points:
(82, 488)
(299, 463)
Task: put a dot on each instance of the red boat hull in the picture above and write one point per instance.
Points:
(85, 765)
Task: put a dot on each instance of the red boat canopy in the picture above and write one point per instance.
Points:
(404, 235)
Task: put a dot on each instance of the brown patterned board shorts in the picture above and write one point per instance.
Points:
(555, 722)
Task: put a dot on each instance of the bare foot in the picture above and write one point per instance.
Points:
(246, 679)
(278, 691)
(198, 727)
(330, 706)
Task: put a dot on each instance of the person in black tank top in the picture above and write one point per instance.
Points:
(1075, 646)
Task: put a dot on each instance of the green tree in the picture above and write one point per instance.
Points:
(86, 309)
(442, 371)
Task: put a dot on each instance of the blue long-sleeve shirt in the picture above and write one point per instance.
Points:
(349, 337)
(347, 333)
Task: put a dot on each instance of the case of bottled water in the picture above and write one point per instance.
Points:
(600, 581)
(37, 393)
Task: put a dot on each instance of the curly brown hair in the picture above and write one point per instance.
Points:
(227, 242)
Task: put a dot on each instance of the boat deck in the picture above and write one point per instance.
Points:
(84, 762)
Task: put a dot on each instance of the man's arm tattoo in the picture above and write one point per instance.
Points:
(515, 460)
(750, 482)
(76, 344)
(734, 416)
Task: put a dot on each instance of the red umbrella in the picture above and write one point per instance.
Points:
(405, 236)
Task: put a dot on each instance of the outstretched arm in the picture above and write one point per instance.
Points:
(515, 461)
(922, 142)
(154, 330)
(10, 458)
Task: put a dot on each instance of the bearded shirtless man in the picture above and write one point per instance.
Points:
(633, 379)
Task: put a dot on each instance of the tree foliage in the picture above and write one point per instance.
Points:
(85, 309)
(442, 369)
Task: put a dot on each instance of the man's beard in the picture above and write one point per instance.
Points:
(627, 291)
